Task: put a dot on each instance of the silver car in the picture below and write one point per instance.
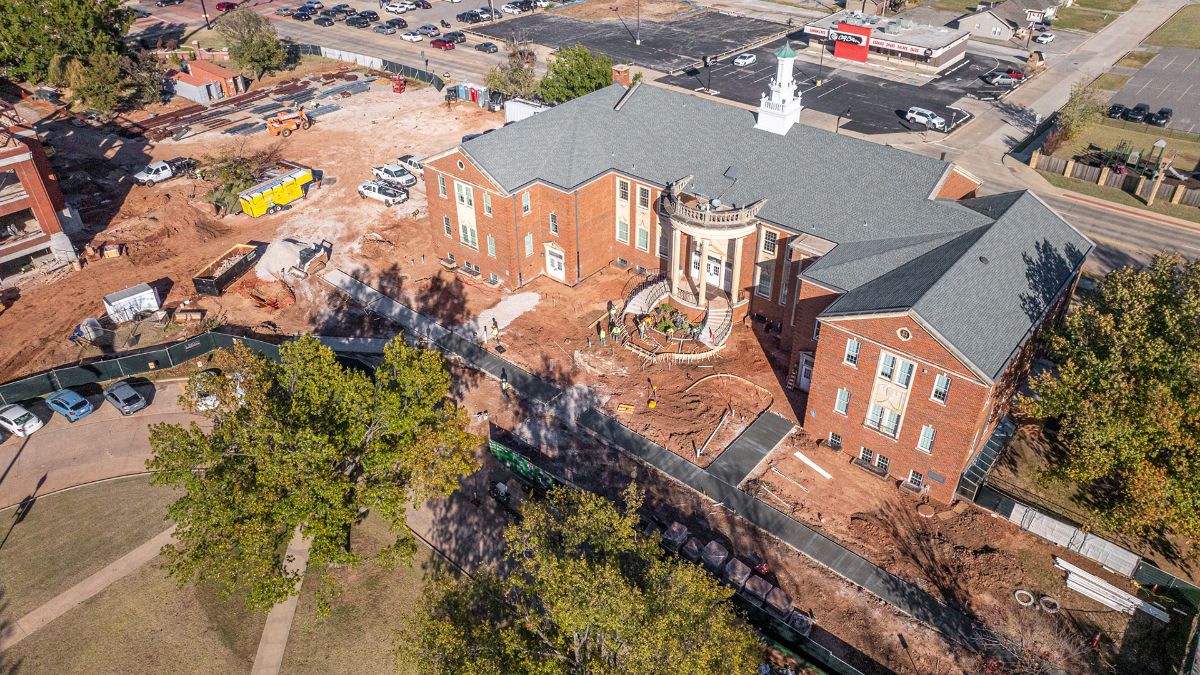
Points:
(124, 397)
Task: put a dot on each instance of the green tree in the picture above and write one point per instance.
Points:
(1126, 391)
(33, 32)
(574, 72)
(305, 442)
(145, 73)
(1084, 108)
(252, 42)
(588, 594)
(513, 79)
(101, 84)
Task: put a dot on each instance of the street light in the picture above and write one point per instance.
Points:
(838, 128)
(207, 23)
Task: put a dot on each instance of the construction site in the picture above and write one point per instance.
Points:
(254, 259)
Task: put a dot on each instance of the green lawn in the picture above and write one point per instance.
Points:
(1106, 135)
(1108, 5)
(1111, 82)
(960, 6)
(358, 633)
(69, 536)
(144, 623)
(1180, 30)
(1136, 59)
(1090, 20)
(1121, 197)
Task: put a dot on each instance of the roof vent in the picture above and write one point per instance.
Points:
(731, 173)
(983, 259)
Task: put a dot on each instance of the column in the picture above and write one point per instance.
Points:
(703, 283)
(737, 270)
(676, 252)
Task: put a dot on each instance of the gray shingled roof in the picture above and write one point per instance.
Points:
(897, 250)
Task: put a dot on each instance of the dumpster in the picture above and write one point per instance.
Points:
(226, 269)
(283, 185)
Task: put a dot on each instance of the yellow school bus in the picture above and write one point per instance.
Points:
(286, 184)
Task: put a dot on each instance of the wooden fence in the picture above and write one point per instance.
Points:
(1148, 190)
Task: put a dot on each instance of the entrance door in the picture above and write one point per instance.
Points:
(714, 269)
(806, 367)
(695, 275)
(729, 277)
(555, 264)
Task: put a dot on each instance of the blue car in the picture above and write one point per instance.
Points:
(69, 404)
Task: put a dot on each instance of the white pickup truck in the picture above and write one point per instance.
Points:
(394, 173)
(157, 172)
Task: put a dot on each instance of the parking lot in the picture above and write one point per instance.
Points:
(876, 105)
(666, 46)
(1172, 80)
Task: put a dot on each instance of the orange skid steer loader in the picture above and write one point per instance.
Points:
(285, 123)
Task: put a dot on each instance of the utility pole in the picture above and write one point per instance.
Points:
(207, 23)
(838, 128)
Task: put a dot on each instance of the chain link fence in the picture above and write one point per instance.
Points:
(297, 50)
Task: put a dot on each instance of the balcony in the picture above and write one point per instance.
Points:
(703, 214)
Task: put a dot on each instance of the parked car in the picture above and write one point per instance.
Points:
(469, 17)
(1015, 73)
(456, 37)
(524, 5)
(487, 47)
(745, 60)
(385, 29)
(930, 119)
(1137, 113)
(18, 421)
(411, 36)
(1116, 111)
(396, 7)
(124, 397)
(226, 6)
(302, 16)
(488, 13)
(323, 21)
(380, 191)
(340, 6)
(369, 15)
(412, 164)
(442, 43)
(541, 3)
(358, 22)
(165, 3)
(421, 4)
(1161, 118)
(285, 11)
(69, 404)
(1042, 26)
(430, 30)
(395, 174)
(1044, 38)
(398, 24)
(1000, 79)
(332, 14)
(510, 8)
(314, 4)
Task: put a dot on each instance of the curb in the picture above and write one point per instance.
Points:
(80, 485)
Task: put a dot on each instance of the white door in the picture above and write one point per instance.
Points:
(714, 269)
(695, 265)
(555, 264)
(806, 366)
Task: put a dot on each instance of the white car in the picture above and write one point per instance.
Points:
(541, 3)
(395, 174)
(18, 421)
(745, 60)
(315, 4)
(510, 9)
(453, 0)
(930, 119)
(396, 7)
(380, 191)
(1041, 25)
(410, 36)
(1044, 38)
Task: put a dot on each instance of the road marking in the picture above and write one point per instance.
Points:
(830, 91)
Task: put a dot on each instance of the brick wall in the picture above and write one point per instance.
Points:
(957, 186)
(37, 178)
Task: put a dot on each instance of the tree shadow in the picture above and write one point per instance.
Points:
(1045, 274)
(444, 300)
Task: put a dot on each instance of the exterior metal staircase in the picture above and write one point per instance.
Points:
(977, 470)
(647, 295)
(718, 323)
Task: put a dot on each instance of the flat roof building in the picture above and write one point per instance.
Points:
(866, 38)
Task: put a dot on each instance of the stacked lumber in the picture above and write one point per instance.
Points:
(1105, 593)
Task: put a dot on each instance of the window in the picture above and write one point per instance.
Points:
(623, 190)
(525, 202)
(491, 243)
(553, 223)
(906, 373)
(450, 257)
(623, 229)
(468, 235)
(487, 204)
(463, 195)
(843, 401)
(765, 280)
(925, 444)
(529, 244)
(884, 421)
(851, 358)
(643, 197)
(866, 456)
(664, 248)
(770, 242)
(816, 327)
(643, 238)
(915, 479)
(441, 185)
(783, 287)
(446, 226)
(882, 462)
(941, 388)
(887, 366)
(835, 440)
(493, 279)
(896, 369)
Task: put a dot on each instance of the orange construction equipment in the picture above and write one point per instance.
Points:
(286, 122)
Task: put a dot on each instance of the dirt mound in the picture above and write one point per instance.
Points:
(167, 217)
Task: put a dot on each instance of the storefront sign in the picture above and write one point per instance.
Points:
(851, 42)
(849, 38)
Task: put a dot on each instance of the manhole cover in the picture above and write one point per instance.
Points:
(925, 511)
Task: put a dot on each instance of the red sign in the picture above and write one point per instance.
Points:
(851, 42)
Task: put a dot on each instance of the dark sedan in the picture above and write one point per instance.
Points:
(1137, 113)
(369, 15)
(398, 24)
(487, 47)
(1116, 111)
(1161, 118)
(358, 22)
(455, 36)
(422, 4)
(323, 21)
(302, 16)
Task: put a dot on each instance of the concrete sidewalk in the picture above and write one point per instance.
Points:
(82, 591)
(273, 643)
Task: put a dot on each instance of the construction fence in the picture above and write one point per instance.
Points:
(1150, 191)
(115, 367)
(373, 62)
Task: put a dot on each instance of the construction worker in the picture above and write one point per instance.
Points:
(504, 383)
(642, 326)
(603, 336)
(616, 332)
(612, 312)
(495, 332)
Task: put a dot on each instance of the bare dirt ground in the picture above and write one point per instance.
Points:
(652, 10)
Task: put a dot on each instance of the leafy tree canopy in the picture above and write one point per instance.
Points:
(304, 442)
(1085, 107)
(513, 79)
(101, 83)
(32, 32)
(587, 594)
(1127, 393)
(574, 72)
(252, 42)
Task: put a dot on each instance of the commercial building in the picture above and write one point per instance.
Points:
(867, 38)
(32, 210)
(884, 287)
(1008, 19)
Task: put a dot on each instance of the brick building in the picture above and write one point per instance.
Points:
(876, 280)
(32, 210)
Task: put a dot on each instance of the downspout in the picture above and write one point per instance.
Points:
(517, 241)
(578, 261)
